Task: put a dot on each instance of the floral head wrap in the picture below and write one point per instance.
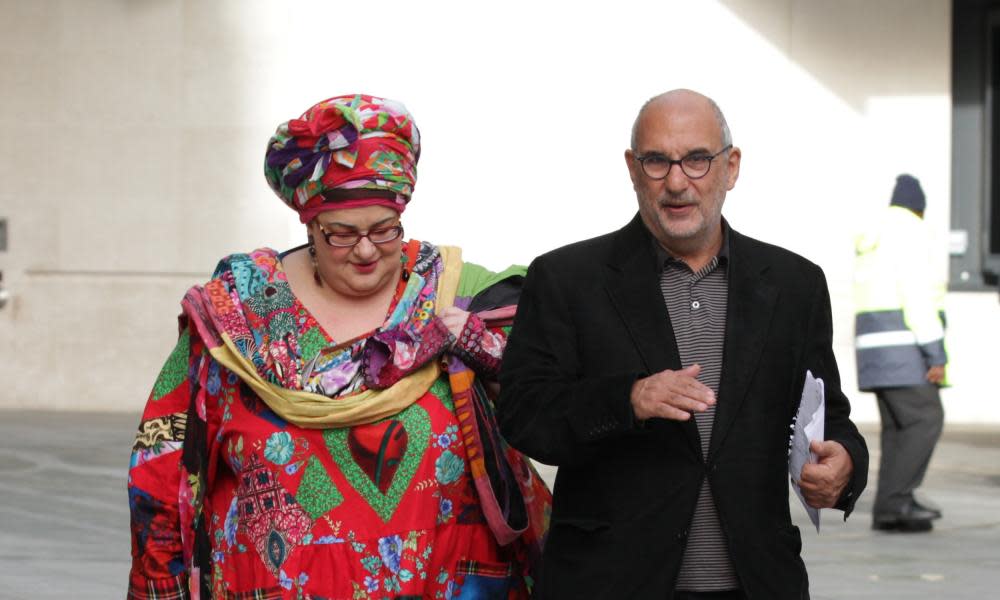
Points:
(344, 152)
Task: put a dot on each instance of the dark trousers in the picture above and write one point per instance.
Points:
(912, 419)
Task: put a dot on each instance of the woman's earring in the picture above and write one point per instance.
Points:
(312, 257)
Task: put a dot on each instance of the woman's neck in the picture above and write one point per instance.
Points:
(342, 316)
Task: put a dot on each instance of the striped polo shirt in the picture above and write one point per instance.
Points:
(696, 303)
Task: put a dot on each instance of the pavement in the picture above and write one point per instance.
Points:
(64, 523)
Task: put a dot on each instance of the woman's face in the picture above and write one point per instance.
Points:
(365, 268)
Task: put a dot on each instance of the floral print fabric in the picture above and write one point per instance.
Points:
(230, 501)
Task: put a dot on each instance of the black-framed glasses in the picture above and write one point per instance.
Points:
(349, 239)
(694, 166)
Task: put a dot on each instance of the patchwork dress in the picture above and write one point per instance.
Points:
(231, 500)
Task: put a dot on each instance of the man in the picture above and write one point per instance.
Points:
(899, 328)
(660, 367)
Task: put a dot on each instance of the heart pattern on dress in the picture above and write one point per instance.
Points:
(380, 459)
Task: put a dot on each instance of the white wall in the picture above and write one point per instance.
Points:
(133, 137)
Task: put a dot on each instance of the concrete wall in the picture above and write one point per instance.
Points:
(133, 136)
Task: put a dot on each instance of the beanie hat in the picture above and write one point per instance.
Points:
(908, 194)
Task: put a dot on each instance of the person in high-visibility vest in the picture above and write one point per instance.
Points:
(899, 343)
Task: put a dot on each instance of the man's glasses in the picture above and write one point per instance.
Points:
(694, 166)
(349, 239)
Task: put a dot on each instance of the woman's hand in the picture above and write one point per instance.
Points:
(454, 319)
(477, 346)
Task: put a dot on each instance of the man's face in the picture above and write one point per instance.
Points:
(683, 214)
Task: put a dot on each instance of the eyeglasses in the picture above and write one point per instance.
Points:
(349, 239)
(695, 166)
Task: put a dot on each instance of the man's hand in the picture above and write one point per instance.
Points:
(671, 395)
(454, 319)
(823, 483)
(935, 374)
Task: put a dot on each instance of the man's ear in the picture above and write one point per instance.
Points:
(733, 160)
(632, 165)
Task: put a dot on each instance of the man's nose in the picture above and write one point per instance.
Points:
(676, 180)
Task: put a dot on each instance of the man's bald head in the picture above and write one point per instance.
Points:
(683, 97)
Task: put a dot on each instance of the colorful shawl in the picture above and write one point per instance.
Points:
(223, 311)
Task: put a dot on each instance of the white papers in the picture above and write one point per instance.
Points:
(808, 426)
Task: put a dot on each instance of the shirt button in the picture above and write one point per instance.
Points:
(696, 305)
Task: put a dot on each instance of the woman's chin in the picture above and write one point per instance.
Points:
(361, 286)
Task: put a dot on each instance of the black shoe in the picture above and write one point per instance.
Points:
(903, 525)
(930, 508)
(912, 518)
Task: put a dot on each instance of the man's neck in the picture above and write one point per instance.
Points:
(698, 253)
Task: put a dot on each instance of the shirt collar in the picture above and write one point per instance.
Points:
(663, 257)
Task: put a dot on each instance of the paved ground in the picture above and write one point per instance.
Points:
(64, 518)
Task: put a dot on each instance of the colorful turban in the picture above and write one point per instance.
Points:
(344, 152)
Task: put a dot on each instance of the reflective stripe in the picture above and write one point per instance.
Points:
(885, 338)
(930, 337)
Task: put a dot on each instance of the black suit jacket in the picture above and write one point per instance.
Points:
(590, 321)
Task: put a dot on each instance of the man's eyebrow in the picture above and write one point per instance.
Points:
(696, 151)
(693, 152)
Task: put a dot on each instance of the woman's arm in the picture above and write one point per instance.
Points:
(155, 482)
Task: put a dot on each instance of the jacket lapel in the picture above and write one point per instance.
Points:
(750, 305)
(633, 285)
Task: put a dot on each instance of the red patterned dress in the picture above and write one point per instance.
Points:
(230, 500)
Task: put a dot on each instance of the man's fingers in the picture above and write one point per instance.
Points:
(813, 474)
(689, 379)
(676, 409)
(691, 370)
(665, 411)
(820, 448)
(822, 483)
(815, 489)
(680, 400)
(688, 404)
(672, 395)
(691, 389)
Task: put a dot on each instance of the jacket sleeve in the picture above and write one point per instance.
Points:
(819, 359)
(549, 408)
(920, 293)
(155, 485)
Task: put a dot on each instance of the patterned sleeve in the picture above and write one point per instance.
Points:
(155, 483)
(481, 346)
(492, 298)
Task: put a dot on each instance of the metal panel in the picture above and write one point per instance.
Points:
(971, 265)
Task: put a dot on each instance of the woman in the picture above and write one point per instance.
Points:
(320, 430)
